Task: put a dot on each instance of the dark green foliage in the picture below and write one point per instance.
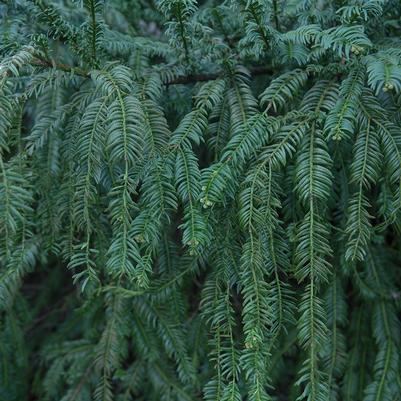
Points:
(200, 201)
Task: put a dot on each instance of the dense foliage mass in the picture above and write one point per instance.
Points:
(200, 201)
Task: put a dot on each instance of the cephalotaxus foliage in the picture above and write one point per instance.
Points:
(200, 200)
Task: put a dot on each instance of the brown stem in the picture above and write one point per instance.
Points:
(59, 66)
(183, 80)
(189, 79)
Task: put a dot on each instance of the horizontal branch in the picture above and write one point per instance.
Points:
(59, 66)
(189, 79)
(182, 80)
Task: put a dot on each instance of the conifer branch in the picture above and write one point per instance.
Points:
(180, 80)
(218, 235)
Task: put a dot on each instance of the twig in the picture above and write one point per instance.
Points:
(189, 79)
(59, 66)
(182, 80)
